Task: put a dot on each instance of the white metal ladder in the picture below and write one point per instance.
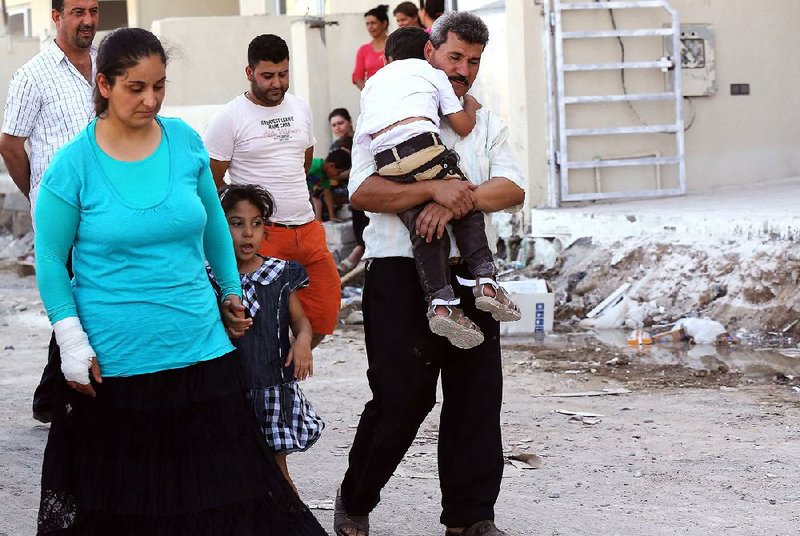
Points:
(561, 165)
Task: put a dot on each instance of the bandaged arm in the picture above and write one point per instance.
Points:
(56, 226)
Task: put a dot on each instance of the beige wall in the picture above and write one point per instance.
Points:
(358, 6)
(13, 54)
(733, 139)
(256, 7)
(201, 73)
(744, 139)
(142, 13)
(41, 19)
(527, 110)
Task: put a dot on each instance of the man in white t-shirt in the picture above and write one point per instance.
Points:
(265, 137)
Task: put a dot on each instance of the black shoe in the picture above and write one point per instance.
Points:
(43, 416)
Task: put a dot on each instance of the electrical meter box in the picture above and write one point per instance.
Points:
(697, 59)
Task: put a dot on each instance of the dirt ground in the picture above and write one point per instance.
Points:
(702, 449)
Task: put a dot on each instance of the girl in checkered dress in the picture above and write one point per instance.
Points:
(273, 363)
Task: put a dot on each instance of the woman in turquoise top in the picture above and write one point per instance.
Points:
(160, 439)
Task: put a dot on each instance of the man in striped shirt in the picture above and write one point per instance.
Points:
(49, 102)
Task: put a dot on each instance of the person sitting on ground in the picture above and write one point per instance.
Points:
(273, 364)
(406, 146)
(323, 176)
(342, 130)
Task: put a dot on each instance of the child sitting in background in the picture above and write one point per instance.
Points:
(272, 362)
(323, 177)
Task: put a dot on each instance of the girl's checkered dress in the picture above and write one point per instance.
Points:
(288, 421)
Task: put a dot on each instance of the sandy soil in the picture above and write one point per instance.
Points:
(708, 450)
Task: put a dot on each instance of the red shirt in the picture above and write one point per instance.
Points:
(368, 62)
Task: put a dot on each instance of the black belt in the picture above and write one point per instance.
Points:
(407, 148)
(284, 225)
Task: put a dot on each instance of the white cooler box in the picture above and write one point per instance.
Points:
(536, 301)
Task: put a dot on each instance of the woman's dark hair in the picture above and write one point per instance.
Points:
(341, 112)
(434, 8)
(380, 12)
(408, 9)
(231, 194)
(406, 43)
(119, 51)
(267, 47)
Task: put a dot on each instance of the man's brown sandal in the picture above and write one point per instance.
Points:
(499, 306)
(342, 521)
(481, 528)
(455, 326)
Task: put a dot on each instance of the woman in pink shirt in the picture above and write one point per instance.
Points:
(369, 57)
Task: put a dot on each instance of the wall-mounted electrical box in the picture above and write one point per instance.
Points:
(698, 60)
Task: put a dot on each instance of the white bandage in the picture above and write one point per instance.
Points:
(76, 352)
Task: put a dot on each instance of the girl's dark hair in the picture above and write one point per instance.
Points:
(408, 9)
(380, 12)
(120, 50)
(231, 194)
(341, 112)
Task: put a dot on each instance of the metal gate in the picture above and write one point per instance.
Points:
(559, 99)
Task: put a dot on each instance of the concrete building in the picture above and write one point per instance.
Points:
(741, 118)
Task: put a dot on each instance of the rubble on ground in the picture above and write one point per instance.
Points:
(742, 285)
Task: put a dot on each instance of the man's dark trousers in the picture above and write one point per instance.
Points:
(405, 360)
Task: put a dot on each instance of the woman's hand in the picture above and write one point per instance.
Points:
(300, 355)
(233, 317)
(86, 388)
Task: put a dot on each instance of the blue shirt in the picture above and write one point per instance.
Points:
(140, 232)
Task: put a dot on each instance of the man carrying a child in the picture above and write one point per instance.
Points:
(405, 358)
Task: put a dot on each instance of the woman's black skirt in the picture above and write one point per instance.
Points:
(177, 452)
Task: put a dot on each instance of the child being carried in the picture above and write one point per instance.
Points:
(400, 107)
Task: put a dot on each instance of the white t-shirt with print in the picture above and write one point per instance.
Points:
(403, 89)
(266, 145)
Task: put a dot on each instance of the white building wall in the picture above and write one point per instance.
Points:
(733, 140)
(13, 54)
(208, 72)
